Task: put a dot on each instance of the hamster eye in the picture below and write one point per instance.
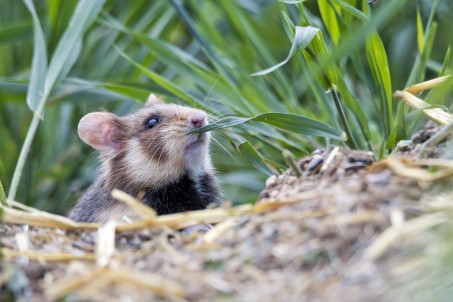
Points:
(151, 122)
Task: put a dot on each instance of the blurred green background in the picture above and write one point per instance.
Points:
(202, 53)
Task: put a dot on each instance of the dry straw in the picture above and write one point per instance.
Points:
(436, 114)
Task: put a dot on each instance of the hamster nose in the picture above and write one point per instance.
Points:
(198, 119)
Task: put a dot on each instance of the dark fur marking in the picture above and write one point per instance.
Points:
(183, 195)
(180, 196)
(153, 144)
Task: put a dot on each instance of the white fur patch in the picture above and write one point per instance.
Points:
(148, 172)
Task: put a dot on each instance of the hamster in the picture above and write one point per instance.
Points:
(149, 154)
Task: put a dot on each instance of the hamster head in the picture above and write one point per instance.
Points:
(151, 147)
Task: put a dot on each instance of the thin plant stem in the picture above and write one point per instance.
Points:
(3, 199)
(343, 121)
(25, 150)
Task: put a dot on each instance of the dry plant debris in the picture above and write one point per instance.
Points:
(346, 229)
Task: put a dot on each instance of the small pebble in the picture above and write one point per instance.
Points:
(135, 242)
(315, 164)
(271, 181)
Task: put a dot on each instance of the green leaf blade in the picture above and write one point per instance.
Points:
(377, 60)
(39, 62)
(254, 158)
(284, 121)
(85, 13)
(330, 20)
(302, 38)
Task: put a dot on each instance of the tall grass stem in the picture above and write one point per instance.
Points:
(343, 121)
(24, 152)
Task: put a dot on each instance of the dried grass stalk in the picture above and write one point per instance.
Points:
(21, 206)
(158, 285)
(141, 209)
(353, 219)
(436, 114)
(34, 217)
(105, 244)
(433, 162)
(22, 242)
(406, 169)
(43, 219)
(45, 257)
(394, 233)
(219, 230)
(420, 87)
(65, 286)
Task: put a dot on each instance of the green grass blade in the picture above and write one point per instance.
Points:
(420, 33)
(352, 10)
(285, 121)
(399, 131)
(316, 54)
(417, 71)
(299, 124)
(85, 13)
(302, 38)
(39, 62)
(446, 62)
(3, 200)
(254, 158)
(377, 60)
(330, 20)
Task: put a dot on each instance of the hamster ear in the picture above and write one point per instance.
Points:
(98, 130)
(153, 100)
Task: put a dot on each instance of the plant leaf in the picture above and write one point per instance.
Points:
(352, 10)
(330, 20)
(398, 132)
(39, 62)
(2, 197)
(315, 55)
(290, 122)
(377, 60)
(302, 38)
(446, 62)
(85, 13)
(420, 33)
(254, 158)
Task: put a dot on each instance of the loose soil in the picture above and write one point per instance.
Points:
(347, 229)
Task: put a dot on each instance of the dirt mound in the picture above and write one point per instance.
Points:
(347, 229)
